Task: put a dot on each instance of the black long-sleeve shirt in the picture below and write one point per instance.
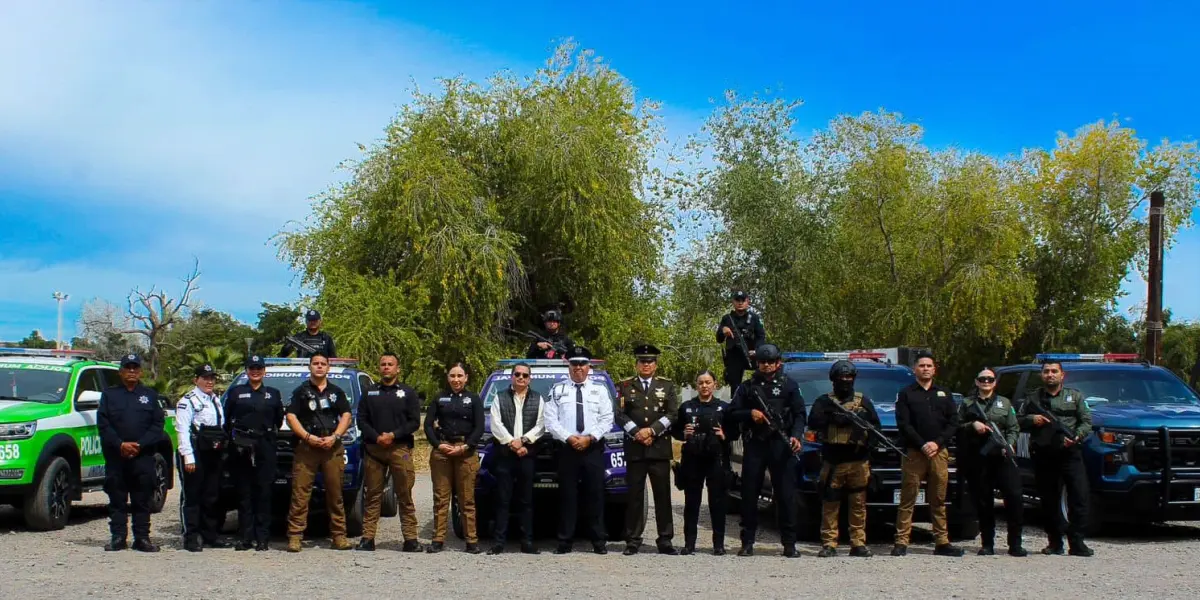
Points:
(823, 414)
(454, 415)
(389, 408)
(780, 393)
(127, 415)
(926, 415)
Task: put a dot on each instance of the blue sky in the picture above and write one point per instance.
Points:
(136, 135)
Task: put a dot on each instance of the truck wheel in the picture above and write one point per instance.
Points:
(49, 506)
(390, 505)
(354, 513)
(161, 485)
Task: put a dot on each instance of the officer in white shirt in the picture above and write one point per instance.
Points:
(578, 413)
(200, 423)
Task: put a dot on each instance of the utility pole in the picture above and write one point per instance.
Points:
(1154, 296)
(60, 297)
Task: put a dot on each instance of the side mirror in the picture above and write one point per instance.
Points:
(88, 400)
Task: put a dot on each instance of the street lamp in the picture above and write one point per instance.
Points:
(60, 297)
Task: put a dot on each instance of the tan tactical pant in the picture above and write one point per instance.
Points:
(305, 466)
(455, 473)
(845, 476)
(916, 467)
(380, 460)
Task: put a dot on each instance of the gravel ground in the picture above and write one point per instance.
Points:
(1159, 561)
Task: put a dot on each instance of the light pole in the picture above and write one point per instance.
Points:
(60, 297)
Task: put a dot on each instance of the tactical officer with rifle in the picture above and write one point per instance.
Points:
(254, 414)
(553, 343)
(318, 415)
(846, 425)
(700, 426)
(741, 331)
(310, 341)
(1058, 420)
(770, 409)
(986, 434)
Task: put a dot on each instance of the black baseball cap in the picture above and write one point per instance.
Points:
(739, 295)
(256, 362)
(312, 315)
(130, 360)
(205, 371)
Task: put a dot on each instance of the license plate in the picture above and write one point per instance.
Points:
(920, 496)
(281, 480)
(1196, 495)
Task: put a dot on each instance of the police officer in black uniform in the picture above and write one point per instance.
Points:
(253, 415)
(312, 337)
(555, 342)
(771, 411)
(130, 421)
(699, 425)
(745, 323)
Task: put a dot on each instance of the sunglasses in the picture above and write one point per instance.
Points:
(985, 379)
(520, 375)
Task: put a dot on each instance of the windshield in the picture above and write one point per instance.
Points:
(34, 383)
(880, 385)
(287, 383)
(1130, 386)
(541, 383)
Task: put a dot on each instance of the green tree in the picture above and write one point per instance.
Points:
(197, 332)
(35, 340)
(274, 322)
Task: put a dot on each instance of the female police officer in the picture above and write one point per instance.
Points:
(988, 466)
(698, 425)
(453, 425)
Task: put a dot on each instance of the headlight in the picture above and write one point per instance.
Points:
(484, 439)
(351, 435)
(17, 431)
(614, 439)
(1112, 437)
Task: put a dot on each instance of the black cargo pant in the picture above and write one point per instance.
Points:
(514, 486)
(1053, 469)
(129, 483)
(985, 475)
(735, 368)
(759, 456)
(659, 472)
(581, 470)
(697, 470)
(253, 470)
(201, 492)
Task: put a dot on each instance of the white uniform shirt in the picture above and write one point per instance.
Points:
(201, 409)
(559, 413)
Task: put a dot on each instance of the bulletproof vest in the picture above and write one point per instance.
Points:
(845, 434)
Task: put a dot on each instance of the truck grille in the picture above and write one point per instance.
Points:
(1149, 455)
(883, 458)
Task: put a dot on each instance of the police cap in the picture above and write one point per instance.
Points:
(767, 353)
(579, 354)
(647, 352)
(130, 360)
(312, 315)
(842, 368)
(256, 362)
(739, 295)
(205, 371)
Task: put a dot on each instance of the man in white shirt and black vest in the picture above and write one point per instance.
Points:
(517, 425)
(578, 413)
(200, 423)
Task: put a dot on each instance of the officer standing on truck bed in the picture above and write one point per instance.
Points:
(1057, 459)
(770, 444)
(928, 420)
(646, 406)
(254, 413)
(742, 323)
(556, 342)
(700, 426)
(995, 470)
(318, 415)
(130, 423)
(200, 423)
(845, 450)
(312, 336)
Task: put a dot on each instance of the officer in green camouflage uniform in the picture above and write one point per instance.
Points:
(987, 465)
(1058, 420)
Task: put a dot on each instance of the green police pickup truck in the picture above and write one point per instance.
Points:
(49, 446)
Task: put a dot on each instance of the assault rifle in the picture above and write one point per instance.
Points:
(299, 345)
(996, 439)
(774, 420)
(737, 335)
(558, 347)
(870, 429)
(1035, 407)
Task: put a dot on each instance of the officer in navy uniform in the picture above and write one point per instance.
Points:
(130, 421)
(313, 337)
(746, 323)
(646, 405)
(700, 426)
(769, 444)
(200, 423)
(253, 415)
(556, 342)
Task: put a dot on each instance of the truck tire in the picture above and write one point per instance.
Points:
(390, 505)
(354, 512)
(49, 506)
(161, 485)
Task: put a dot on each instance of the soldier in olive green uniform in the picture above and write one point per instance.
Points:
(845, 471)
(1058, 420)
(987, 465)
(646, 405)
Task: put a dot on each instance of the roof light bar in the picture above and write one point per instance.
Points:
(834, 355)
(44, 352)
(541, 362)
(1077, 357)
(303, 362)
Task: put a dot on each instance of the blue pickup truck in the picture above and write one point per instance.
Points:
(1143, 458)
(546, 372)
(881, 381)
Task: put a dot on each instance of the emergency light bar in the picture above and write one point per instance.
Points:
(541, 362)
(303, 362)
(1075, 357)
(834, 355)
(43, 352)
